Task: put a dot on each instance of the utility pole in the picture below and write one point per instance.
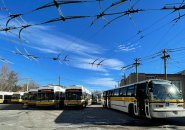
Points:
(136, 64)
(164, 57)
(27, 87)
(59, 80)
(118, 84)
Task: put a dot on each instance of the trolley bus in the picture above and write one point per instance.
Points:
(51, 96)
(17, 97)
(30, 98)
(5, 97)
(149, 98)
(77, 96)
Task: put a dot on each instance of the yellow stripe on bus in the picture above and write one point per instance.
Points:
(17, 100)
(133, 99)
(31, 103)
(73, 102)
(47, 103)
(164, 101)
(128, 99)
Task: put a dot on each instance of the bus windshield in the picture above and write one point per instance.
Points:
(45, 96)
(166, 92)
(73, 95)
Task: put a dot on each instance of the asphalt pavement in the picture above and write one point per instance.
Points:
(94, 117)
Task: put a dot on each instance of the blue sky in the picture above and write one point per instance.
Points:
(83, 44)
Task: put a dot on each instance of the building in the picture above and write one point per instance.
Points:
(177, 79)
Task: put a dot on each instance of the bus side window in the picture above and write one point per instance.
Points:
(131, 91)
(1, 96)
(116, 92)
(125, 92)
(121, 92)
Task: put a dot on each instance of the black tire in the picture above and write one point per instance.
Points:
(131, 110)
(5, 102)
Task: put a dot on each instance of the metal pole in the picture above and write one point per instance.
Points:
(164, 57)
(27, 85)
(59, 80)
(136, 64)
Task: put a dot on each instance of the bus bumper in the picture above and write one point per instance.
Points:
(47, 103)
(73, 103)
(156, 113)
(16, 101)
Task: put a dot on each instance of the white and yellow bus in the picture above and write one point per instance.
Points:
(77, 96)
(5, 97)
(30, 98)
(17, 97)
(150, 98)
(51, 96)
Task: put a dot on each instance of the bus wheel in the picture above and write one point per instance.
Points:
(5, 102)
(57, 106)
(131, 109)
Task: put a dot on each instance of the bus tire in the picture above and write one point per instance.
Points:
(57, 106)
(131, 109)
(5, 102)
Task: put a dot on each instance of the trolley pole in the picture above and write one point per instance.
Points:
(136, 65)
(164, 57)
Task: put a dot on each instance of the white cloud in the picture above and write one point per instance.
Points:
(105, 82)
(89, 67)
(126, 47)
(47, 38)
(113, 63)
(107, 64)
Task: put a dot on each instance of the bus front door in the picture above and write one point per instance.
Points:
(142, 100)
(141, 94)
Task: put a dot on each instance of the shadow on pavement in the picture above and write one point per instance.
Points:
(22, 107)
(103, 116)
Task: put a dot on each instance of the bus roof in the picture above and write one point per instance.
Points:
(6, 93)
(79, 87)
(144, 81)
(55, 88)
(21, 93)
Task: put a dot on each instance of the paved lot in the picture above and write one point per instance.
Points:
(92, 118)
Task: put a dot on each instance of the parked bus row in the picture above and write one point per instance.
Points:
(50, 96)
(11, 97)
(150, 98)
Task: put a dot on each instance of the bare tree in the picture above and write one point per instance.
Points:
(31, 85)
(12, 81)
(8, 79)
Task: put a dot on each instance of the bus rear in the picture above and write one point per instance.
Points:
(46, 98)
(17, 97)
(75, 97)
(5, 97)
(50, 97)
